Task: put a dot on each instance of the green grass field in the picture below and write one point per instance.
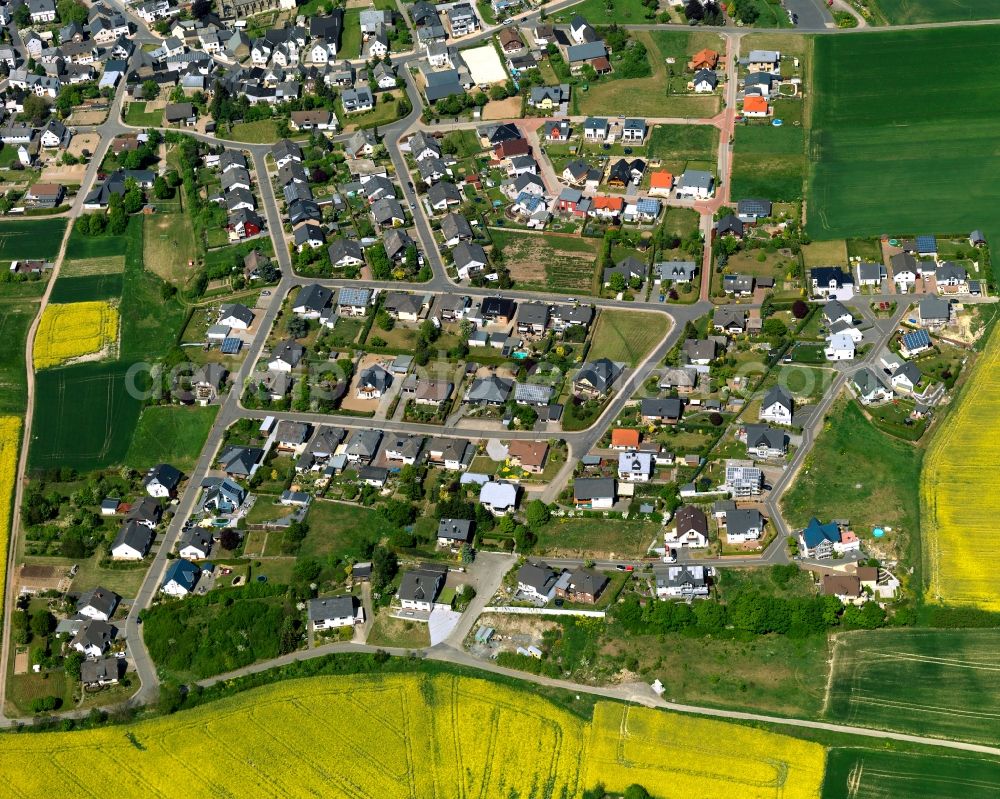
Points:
(336, 529)
(678, 145)
(840, 479)
(170, 434)
(136, 114)
(624, 538)
(873, 774)
(908, 12)
(261, 131)
(768, 162)
(30, 240)
(906, 142)
(15, 319)
(81, 247)
(548, 261)
(626, 335)
(661, 94)
(84, 415)
(90, 410)
(86, 287)
(941, 683)
(106, 265)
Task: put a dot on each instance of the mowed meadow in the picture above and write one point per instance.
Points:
(959, 516)
(412, 736)
(904, 133)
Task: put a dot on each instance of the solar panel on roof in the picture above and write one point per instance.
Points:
(926, 244)
(918, 338)
(231, 346)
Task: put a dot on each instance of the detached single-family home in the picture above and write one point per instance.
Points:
(869, 387)
(744, 524)
(635, 467)
(454, 532)
(742, 478)
(690, 528)
(596, 378)
(840, 347)
(333, 612)
(777, 407)
(98, 603)
(162, 480)
(196, 544)
(180, 578)
(420, 587)
(680, 581)
(132, 542)
(934, 312)
(597, 493)
(93, 638)
(765, 442)
(830, 280)
(695, 184)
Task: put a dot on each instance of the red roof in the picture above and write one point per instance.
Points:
(610, 203)
(512, 147)
(754, 105)
(661, 180)
(622, 437)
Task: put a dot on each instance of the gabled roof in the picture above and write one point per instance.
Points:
(590, 488)
(100, 599)
(778, 395)
(164, 474)
(183, 572)
(331, 607)
(816, 533)
(600, 374)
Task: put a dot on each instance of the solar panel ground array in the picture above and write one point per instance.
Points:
(904, 132)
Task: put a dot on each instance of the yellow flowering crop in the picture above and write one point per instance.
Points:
(958, 509)
(679, 755)
(73, 330)
(10, 437)
(415, 736)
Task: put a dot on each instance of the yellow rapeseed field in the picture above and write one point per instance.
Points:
(959, 511)
(73, 330)
(415, 736)
(10, 437)
(677, 755)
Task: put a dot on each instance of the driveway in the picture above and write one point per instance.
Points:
(442, 623)
(813, 15)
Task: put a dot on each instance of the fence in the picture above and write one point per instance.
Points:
(518, 611)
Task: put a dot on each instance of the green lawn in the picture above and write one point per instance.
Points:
(870, 773)
(338, 529)
(629, 538)
(918, 119)
(137, 115)
(29, 240)
(631, 12)
(933, 682)
(263, 131)
(170, 434)
(908, 12)
(664, 93)
(678, 145)
(768, 162)
(81, 247)
(227, 255)
(15, 319)
(382, 114)
(841, 480)
(350, 36)
(626, 335)
(548, 261)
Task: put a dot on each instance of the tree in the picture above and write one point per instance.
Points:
(800, 310)
(617, 282)
(715, 418)
(635, 791)
(775, 328)
(22, 16)
(162, 189)
(71, 11)
(36, 108)
(536, 514)
(384, 567)
(71, 665)
(229, 539)
(42, 623)
(297, 327)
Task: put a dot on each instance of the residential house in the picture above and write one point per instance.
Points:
(660, 411)
(635, 467)
(310, 235)
(490, 390)
(596, 493)
(743, 525)
(362, 446)
(98, 603)
(536, 581)
(683, 380)
(93, 638)
(581, 585)
(239, 461)
(454, 532)
(132, 542)
(777, 407)
(695, 184)
(674, 271)
(353, 301)
(690, 528)
(765, 442)
(498, 497)
(162, 480)
(101, 672)
(312, 300)
(934, 312)
(870, 274)
(829, 281)
(680, 581)
(346, 252)
(373, 382)
(528, 455)
(180, 578)
(705, 81)
(195, 544)
(286, 356)
(869, 387)
(596, 378)
(742, 478)
(469, 259)
(914, 342)
(334, 612)
(453, 454)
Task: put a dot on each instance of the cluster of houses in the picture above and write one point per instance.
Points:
(95, 50)
(761, 82)
(236, 195)
(29, 142)
(539, 583)
(90, 632)
(141, 517)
